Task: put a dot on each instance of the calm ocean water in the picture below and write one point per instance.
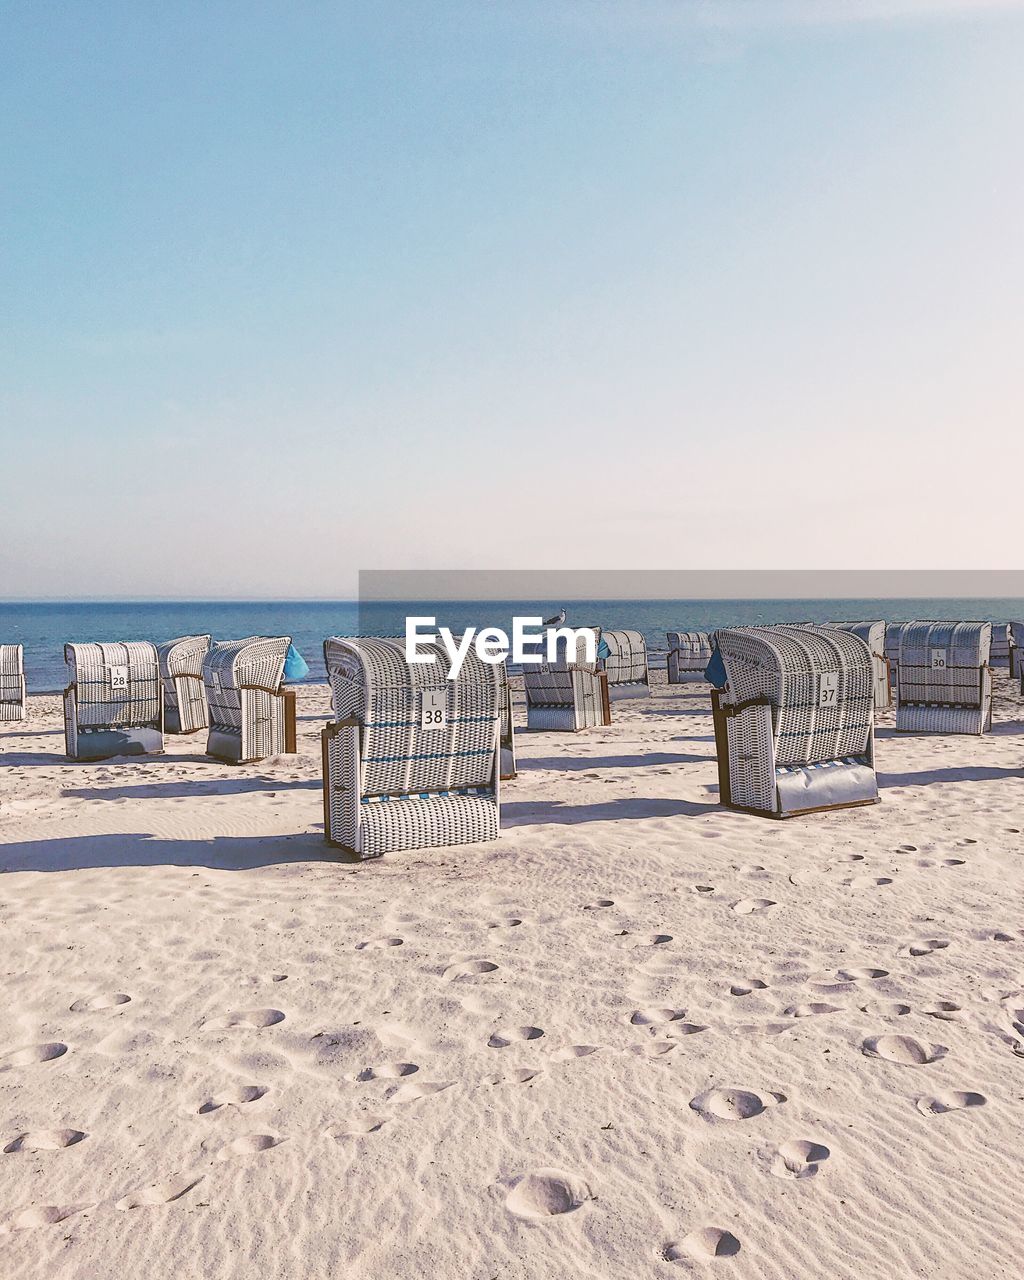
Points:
(43, 628)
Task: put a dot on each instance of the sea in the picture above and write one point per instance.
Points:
(44, 627)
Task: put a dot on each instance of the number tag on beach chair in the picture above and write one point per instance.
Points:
(118, 678)
(828, 688)
(938, 659)
(434, 712)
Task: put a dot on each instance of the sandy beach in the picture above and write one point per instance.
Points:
(638, 1036)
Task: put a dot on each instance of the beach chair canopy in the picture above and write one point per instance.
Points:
(251, 716)
(12, 682)
(181, 670)
(626, 664)
(413, 757)
(113, 702)
(797, 719)
(873, 634)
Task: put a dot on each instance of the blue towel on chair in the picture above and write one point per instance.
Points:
(295, 666)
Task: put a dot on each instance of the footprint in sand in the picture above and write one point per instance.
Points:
(505, 1036)
(851, 857)
(32, 1055)
(652, 939)
(387, 1071)
(160, 1193)
(376, 943)
(702, 1245)
(868, 882)
(744, 986)
(419, 1089)
(45, 1140)
(247, 1019)
(250, 1144)
(573, 1051)
(733, 1104)
(864, 974)
(905, 1051)
(523, 1076)
(747, 906)
(43, 1215)
(468, 969)
(886, 1009)
(510, 922)
(949, 1100)
(761, 1028)
(546, 1193)
(237, 1097)
(654, 1048)
(598, 903)
(799, 1159)
(95, 1003)
(925, 947)
(809, 1010)
(357, 1127)
(945, 1010)
(655, 1017)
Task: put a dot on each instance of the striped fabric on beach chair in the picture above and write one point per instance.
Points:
(1017, 652)
(181, 670)
(12, 682)
(251, 715)
(873, 634)
(570, 695)
(689, 653)
(113, 704)
(943, 678)
(794, 720)
(626, 665)
(412, 759)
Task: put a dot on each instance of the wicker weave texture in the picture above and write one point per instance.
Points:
(181, 670)
(242, 679)
(943, 681)
(873, 635)
(417, 785)
(626, 663)
(94, 670)
(689, 653)
(12, 682)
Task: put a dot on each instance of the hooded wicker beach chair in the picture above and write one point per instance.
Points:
(1017, 651)
(113, 703)
(251, 715)
(794, 719)
(689, 653)
(569, 693)
(181, 670)
(943, 678)
(999, 654)
(12, 682)
(626, 665)
(412, 759)
(873, 634)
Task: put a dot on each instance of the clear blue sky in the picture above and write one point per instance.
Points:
(288, 290)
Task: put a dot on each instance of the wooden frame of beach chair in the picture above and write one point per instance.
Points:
(626, 665)
(873, 634)
(508, 729)
(794, 726)
(689, 653)
(251, 715)
(181, 670)
(943, 678)
(113, 702)
(413, 759)
(12, 683)
(567, 695)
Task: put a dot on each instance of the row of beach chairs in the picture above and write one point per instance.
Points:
(122, 698)
(412, 759)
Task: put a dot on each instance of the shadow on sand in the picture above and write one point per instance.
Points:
(222, 853)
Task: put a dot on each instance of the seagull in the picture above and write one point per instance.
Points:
(557, 620)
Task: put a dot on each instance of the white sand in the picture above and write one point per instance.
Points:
(575, 1052)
